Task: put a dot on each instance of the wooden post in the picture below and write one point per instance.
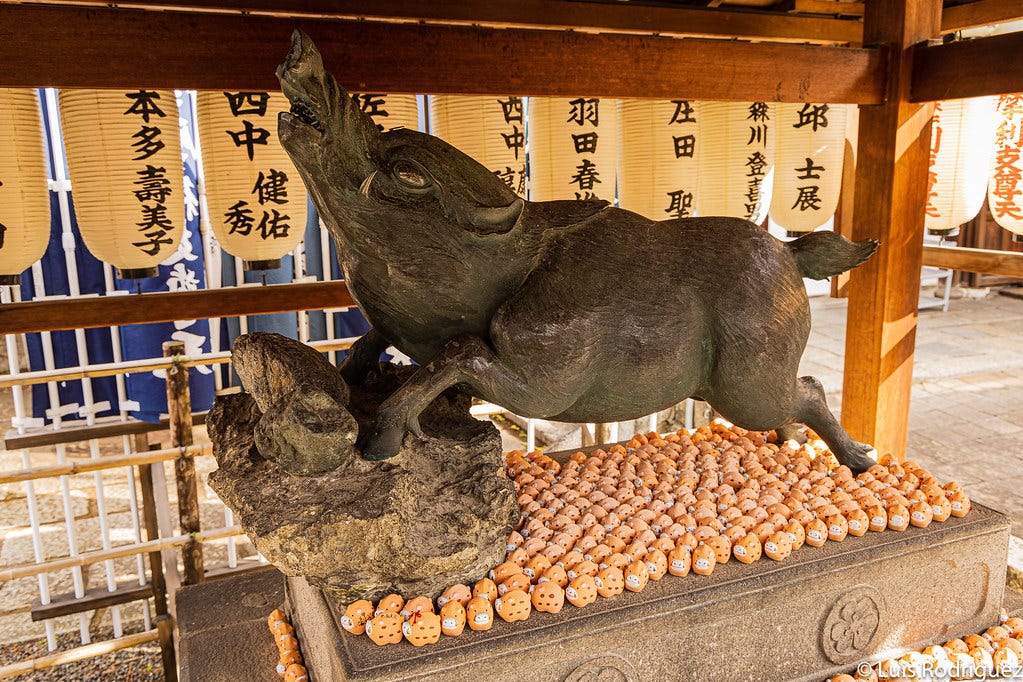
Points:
(179, 411)
(164, 621)
(602, 434)
(891, 193)
(844, 214)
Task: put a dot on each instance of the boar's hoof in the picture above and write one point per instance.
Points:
(856, 457)
(382, 444)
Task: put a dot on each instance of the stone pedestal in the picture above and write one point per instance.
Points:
(813, 615)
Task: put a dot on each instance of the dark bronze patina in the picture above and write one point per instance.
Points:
(567, 310)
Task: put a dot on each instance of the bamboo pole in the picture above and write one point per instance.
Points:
(86, 558)
(134, 459)
(143, 365)
(77, 654)
(179, 413)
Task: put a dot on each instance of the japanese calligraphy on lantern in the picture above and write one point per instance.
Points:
(659, 160)
(808, 164)
(491, 130)
(124, 160)
(1005, 188)
(573, 148)
(389, 111)
(24, 199)
(256, 200)
(962, 147)
(738, 153)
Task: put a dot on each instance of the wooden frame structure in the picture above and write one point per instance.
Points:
(893, 64)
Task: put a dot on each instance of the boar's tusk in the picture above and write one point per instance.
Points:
(364, 187)
(496, 220)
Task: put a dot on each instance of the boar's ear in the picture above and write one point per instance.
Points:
(485, 220)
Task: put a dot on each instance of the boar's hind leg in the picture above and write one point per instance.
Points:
(812, 410)
(465, 360)
(363, 357)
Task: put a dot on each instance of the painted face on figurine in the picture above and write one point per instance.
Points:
(610, 581)
(748, 549)
(778, 546)
(356, 615)
(452, 618)
(656, 564)
(816, 533)
(636, 576)
(479, 613)
(680, 561)
(704, 560)
(581, 591)
(485, 588)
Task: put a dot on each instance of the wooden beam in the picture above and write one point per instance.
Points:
(115, 48)
(550, 14)
(968, 68)
(104, 428)
(829, 7)
(980, 13)
(94, 598)
(891, 186)
(107, 311)
(1002, 263)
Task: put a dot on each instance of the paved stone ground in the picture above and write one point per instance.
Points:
(966, 409)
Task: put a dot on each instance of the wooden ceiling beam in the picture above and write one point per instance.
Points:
(980, 13)
(968, 68)
(118, 48)
(551, 14)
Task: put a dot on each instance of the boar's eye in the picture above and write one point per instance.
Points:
(411, 174)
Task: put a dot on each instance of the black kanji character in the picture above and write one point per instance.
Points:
(683, 112)
(148, 142)
(271, 188)
(243, 103)
(812, 115)
(249, 137)
(239, 218)
(583, 110)
(144, 104)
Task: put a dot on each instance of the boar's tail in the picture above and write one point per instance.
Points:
(820, 255)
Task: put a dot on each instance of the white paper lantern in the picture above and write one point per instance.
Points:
(1005, 189)
(808, 164)
(738, 141)
(124, 161)
(962, 149)
(491, 130)
(255, 197)
(24, 197)
(573, 148)
(389, 111)
(658, 174)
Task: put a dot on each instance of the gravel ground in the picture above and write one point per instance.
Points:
(136, 664)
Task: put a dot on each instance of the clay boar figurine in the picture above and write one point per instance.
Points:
(567, 310)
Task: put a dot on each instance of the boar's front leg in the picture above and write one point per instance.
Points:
(468, 360)
(363, 357)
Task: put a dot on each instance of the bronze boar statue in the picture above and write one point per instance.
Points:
(566, 310)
